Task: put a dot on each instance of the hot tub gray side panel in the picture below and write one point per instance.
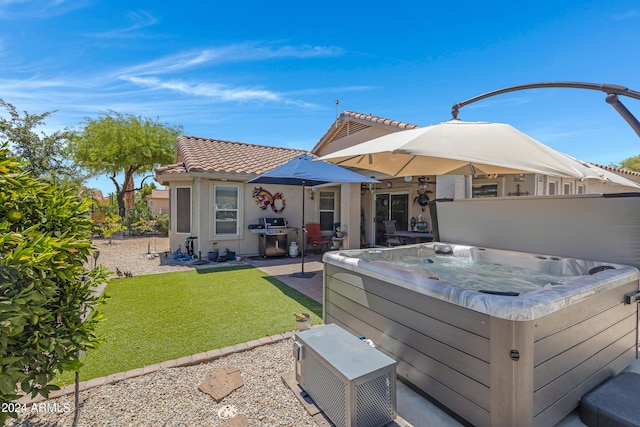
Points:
(462, 358)
(579, 347)
(441, 348)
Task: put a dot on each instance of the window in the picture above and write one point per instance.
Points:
(183, 210)
(225, 210)
(552, 188)
(567, 188)
(485, 190)
(581, 189)
(327, 210)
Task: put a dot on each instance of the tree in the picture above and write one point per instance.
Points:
(46, 154)
(632, 163)
(141, 197)
(48, 309)
(123, 143)
(111, 225)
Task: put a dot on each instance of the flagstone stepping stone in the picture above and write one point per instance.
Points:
(237, 421)
(220, 382)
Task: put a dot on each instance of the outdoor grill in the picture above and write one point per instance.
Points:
(273, 225)
(273, 236)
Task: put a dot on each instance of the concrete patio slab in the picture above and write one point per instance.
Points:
(282, 268)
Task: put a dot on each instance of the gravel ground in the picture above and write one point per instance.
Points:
(143, 255)
(170, 397)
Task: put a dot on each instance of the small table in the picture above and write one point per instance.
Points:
(337, 243)
(414, 236)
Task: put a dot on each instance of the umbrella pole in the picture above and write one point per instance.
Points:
(303, 232)
(302, 274)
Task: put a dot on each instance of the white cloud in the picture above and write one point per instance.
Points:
(140, 20)
(243, 52)
(37, 9)
(146, 74)
(627, 15)
(212, 90)
(159, 87)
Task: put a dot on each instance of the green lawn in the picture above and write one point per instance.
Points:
(154, 318)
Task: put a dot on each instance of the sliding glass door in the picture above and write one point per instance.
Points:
(390, 207)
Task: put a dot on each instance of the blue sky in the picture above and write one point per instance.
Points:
(269, 72)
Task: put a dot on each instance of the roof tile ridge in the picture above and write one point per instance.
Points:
(617, 169)
(250, 144)
(378, 119)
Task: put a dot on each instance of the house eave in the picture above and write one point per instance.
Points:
(166, 179)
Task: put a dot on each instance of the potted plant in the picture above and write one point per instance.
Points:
(339, 232)
(213, 254)
(231, 255)
(303, 321)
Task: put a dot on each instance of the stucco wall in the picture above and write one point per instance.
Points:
(245, 242)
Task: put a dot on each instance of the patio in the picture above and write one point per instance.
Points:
(283, 267)
(412, 407)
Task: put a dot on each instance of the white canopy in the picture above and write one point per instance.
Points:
(457, 147)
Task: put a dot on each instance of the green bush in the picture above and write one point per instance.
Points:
(163, 224)
(47, 310)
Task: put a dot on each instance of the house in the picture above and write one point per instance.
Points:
(400, 199)
(211, 200)
(158, 201)
(209, 197)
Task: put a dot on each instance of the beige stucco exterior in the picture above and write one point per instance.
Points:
(351, 200)
(244, 242)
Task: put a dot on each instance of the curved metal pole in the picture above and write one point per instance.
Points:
(611, 90)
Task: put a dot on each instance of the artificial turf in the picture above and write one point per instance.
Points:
(160, 317)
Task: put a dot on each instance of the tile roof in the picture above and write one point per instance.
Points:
(365, 119)
(376, 119)
(97, 194)
(158, 194)
(618, 170)
(195, 154)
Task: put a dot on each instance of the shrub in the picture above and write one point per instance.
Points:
(47, 310)
(111, 225)
(163, 224)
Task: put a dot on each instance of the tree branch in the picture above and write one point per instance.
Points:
(141, 184)
(115, 182)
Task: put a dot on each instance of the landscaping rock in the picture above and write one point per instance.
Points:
(220, 382)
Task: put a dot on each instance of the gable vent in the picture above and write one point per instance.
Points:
(357, 127)
(349, 128)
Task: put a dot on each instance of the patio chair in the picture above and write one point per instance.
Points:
(315, 238)
(390, 227)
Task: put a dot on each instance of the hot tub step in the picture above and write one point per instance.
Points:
(614, 403)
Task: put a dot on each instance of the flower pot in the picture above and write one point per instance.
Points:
(212, 256)
(231, 255)
(304, 324)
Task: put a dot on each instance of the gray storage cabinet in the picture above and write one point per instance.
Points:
(353, 383)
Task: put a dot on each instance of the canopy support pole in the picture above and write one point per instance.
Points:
(611, 90)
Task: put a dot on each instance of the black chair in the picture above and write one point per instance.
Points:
(390, 227)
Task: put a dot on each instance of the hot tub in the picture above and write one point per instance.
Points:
(517, 344)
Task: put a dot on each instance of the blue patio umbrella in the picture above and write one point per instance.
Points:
(303, 171)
